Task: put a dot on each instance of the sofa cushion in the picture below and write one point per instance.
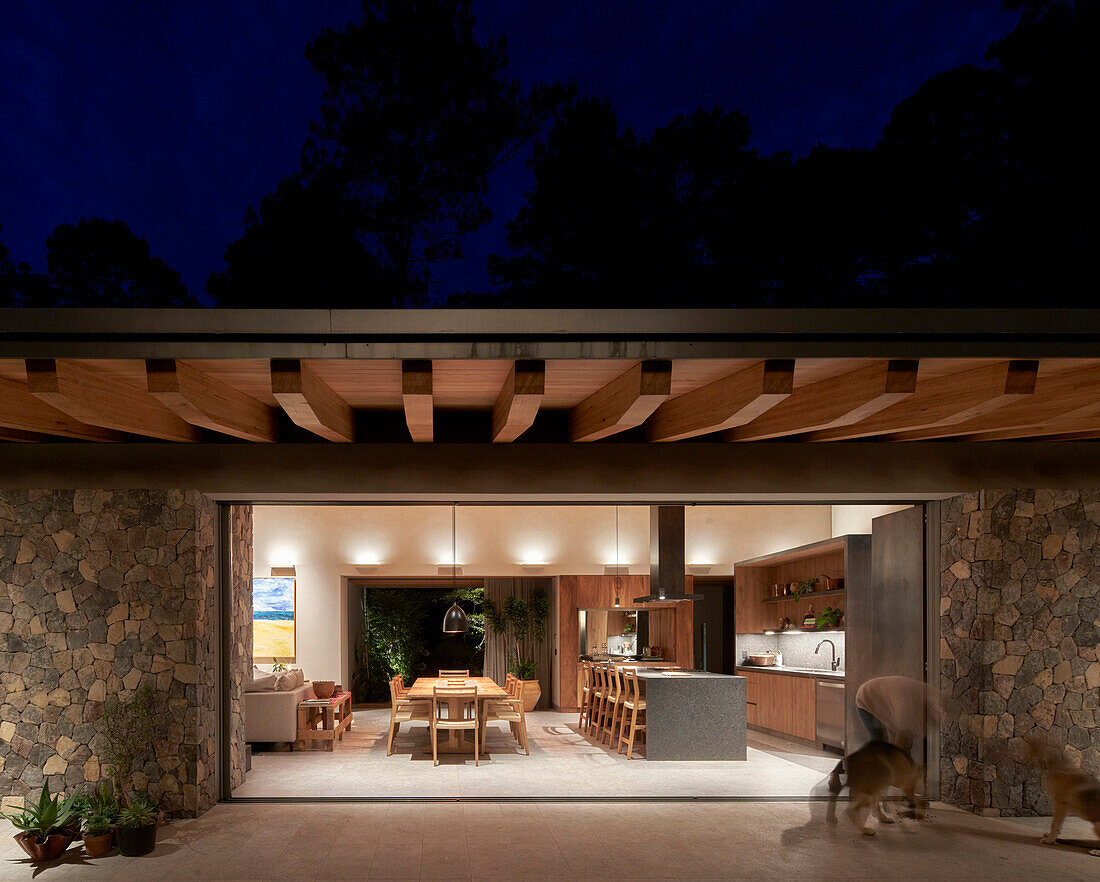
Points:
(289, 681)
(262, 681)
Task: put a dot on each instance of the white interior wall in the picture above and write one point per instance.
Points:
(857, 518)
(325, 543)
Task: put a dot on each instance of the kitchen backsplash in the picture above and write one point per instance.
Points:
(797, 649)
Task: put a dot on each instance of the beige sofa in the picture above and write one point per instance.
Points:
(273, 716)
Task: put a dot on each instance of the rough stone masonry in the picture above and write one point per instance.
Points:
(1019, 633)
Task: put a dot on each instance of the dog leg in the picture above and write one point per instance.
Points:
(853, 813)
(1095, 852)
(880, 810)
(1056, 823)
(830, 812)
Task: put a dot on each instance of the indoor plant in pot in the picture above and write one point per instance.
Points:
(523, 623)
(99, 813)
(48, 827)
(137, 826)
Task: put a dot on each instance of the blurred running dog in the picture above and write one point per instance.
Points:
(1071, 790)
(872, 770)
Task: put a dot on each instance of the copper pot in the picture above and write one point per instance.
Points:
(762, 659)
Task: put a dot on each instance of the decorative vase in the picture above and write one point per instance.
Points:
(531, 694)
(136, 841)
(47, 849)
(99, 845)
(324, 688)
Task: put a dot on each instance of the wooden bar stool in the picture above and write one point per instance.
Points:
(613, 704)
(586, 695)
(595, 715)
(633, 703)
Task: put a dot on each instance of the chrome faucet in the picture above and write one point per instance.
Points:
(832, 646)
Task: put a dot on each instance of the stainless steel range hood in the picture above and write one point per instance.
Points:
(666, 556)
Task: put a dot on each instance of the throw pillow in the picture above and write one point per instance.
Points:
(289, 681)
(262, 682)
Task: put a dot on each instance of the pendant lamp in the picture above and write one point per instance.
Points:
(454, 620)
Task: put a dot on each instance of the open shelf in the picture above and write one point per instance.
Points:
(809, 594)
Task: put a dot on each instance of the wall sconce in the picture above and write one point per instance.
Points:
(699, 569)
(366, 569)
(532, 567)
(283, 572)
(616, 570)
(449, 569)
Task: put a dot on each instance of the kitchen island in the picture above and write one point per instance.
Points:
(698, 717)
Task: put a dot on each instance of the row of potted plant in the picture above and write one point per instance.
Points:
(49, 826)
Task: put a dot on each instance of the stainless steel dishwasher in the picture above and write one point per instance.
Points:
(830, 712)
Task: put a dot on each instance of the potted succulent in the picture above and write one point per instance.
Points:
(524, 623)
(137, 826)
(48, 827)
(98, 813)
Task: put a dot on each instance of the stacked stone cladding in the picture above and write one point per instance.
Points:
(103, 593)
(1019, 633)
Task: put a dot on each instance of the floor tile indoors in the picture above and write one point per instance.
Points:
(563, 763)
(676, 840)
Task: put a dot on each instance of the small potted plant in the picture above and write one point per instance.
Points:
(48, 827)
(137, 826)
(99, 813)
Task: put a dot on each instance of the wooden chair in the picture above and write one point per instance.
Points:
(443, 698)
(586, 695)
(612, 704)
(634, 704)
(404, 711)
(595, 699)
(443, 675)
(510, 710)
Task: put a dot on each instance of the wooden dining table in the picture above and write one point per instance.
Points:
(423, 689)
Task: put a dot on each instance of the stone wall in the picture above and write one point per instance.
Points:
(240, 630)
(102, 593)
(1019, 630)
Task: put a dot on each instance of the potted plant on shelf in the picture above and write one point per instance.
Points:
(802, 588)
(98, 813)
(48, 827)
(524, 623)
(137, 826)
(829, 618)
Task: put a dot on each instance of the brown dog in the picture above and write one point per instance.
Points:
(872, 770)
(1071, 790)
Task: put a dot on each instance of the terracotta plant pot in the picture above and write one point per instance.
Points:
(136, 841)
(45, 850)
(531, 694)
(99, 845)
(324, 688)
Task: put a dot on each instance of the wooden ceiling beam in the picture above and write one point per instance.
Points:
(839, 401)
(1072, 396)
(93, 396)
(204, 401)
(731, 401)
(20, 411)
(416, 398)
(947, 400)
(624, 403)
(518, 403)
(20, 437)
(309, 402)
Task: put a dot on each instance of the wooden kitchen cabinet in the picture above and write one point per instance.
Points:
(783, 703)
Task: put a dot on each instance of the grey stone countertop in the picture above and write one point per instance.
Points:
(794, 672)
(656, 674)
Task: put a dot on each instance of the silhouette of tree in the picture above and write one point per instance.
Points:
(415, 115)
(301, 249)
(18, 282)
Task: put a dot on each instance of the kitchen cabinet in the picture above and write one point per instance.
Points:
(784, 703)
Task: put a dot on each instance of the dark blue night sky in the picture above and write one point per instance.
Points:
(176, 116)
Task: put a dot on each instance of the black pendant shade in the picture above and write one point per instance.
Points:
(454, 622)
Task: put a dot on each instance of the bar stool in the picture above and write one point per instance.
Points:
(595, 714)
(612, 704)
(634, 703)
(586, 695)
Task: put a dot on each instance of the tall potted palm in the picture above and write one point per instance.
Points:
(522, 623)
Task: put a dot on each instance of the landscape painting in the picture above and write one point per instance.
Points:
(273, 618)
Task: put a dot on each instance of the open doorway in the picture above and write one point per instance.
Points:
(357, 565)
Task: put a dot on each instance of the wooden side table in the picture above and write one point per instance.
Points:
(323, 722)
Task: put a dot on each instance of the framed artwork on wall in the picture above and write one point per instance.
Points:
(273, 618)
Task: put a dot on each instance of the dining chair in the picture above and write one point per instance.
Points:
(509, 710)
(586, 695)
(402, 710)
(635, 704)
(443, 699)
(613, 704)
(443, 675)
